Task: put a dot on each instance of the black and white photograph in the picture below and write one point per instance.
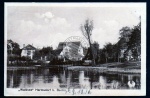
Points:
(75, 49)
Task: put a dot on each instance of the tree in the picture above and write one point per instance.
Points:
(37, 55)
(96, 52)
(46, 52)
(87, 32)
(115, 52)
(135, 41)
(13, 48)
(125, 33)
(102, 56)
(108, 51)
(13, 51)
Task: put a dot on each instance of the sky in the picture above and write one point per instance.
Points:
(45, 26)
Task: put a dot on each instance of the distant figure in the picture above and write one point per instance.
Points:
(131, 84)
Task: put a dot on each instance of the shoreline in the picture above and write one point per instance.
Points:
(116, 67)
(105, 70)
(16, 67)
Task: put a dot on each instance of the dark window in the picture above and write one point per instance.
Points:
(28, 52)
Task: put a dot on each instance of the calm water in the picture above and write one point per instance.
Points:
(52, 78)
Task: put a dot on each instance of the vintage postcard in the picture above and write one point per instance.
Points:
(75, 49)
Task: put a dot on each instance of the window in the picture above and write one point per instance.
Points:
(24, 51)
(28, 52)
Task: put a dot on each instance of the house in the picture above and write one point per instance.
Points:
(28, 51)
(70, 50)
(128, 55)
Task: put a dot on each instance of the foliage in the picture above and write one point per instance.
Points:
(37, 55)
(13, 48)
(87, 29)
(125, 33)
(130, 39)
(44, 52)
(135, 38)
(134, 43)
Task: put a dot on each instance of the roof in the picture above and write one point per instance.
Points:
(28, 47)
(9, 41)
(63, 44)
(57, 51)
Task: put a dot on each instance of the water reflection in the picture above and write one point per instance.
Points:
(55, 82)
(102, 82)
(115, 84)
(53, 78)
(83, 81)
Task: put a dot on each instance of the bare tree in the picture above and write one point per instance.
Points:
(87, 32)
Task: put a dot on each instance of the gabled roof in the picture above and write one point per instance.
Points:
(57, 51)
(62, 44)
(28, 47)
(9, 41)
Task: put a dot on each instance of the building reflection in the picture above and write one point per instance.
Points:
(55, 83)
(69, 76)
(102, 82)
(84, 81)
(26, 80)
(63, 77)
(115, 84)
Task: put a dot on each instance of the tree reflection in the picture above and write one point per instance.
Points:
(49, 78)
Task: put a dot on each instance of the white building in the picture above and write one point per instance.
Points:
(70, 50)
(28, 51)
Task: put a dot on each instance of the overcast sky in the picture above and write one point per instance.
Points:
(47, 26)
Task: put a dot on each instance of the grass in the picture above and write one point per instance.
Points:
(127, 67)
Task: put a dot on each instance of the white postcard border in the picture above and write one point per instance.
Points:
(141, 92)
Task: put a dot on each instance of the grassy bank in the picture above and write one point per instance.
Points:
(20, 67)
(127, 67)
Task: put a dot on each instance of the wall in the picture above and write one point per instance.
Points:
(29, 53)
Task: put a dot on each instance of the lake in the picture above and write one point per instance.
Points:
(54, 78)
